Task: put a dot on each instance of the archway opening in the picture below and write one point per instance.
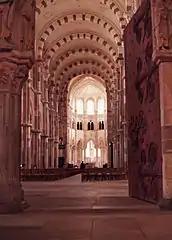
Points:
(87, 122)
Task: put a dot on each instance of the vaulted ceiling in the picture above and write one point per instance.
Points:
(87, 87)
(82, 37)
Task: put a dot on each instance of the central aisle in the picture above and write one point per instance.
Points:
(71, 194)
(71, 210)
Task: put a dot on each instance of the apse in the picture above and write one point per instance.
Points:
(87, 122)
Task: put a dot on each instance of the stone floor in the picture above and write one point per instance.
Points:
(71, 210)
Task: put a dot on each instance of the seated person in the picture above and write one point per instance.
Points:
(82, 166)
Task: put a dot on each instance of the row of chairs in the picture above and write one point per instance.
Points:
(102, 176)
(48, 171)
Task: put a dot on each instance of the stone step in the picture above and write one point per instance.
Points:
(97, 209)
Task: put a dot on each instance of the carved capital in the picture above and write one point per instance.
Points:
(45, 73)
(14, 69)
(17, 57)
(12, 76)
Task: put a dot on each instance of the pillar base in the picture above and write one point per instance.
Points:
(11, 196)
(165, 204)
(13, 207)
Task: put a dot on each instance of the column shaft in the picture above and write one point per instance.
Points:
(11, 77)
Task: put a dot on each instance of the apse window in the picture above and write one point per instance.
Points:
(101, 125)
(90, 107)
(80, 106)
(79, 125)
(90, 125)
(101, 106)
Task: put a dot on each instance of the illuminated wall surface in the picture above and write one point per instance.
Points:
(143, 108)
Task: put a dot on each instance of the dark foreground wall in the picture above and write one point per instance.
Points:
(143, 108)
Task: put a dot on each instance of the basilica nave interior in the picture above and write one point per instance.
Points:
(78, 78)
(86, 81)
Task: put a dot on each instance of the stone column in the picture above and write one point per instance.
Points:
(76, 154)
(84, 153)
(166, 131)
(37, 131)
(39, 117)
(13, 73)
(56, 153)
(162, 55)
(97, 155)
(121, 112)
(53, 120)
(114, 118)
(26, 155)
(25, 125)
(125, 127)
(38, 148)
(122, 119)
(63, 121)
(46, 124)
(56, 124)
(52, 153)
(115, 159)
(29, 125)
(102, 155)
(29, 162)
(109, 124)
(118, 118)
(46, 152)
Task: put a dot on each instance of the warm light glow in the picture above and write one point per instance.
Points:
(90, 151)
(80, 106)
(101, 106)
(99, 152)
(90, 106)
(89, 100)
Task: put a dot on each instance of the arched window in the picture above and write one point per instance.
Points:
(80, 106)
(101, 125)
(90, 125)
(101, 106)
(90, 151)
(90, 106)
(80, 125)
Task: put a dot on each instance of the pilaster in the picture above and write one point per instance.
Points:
(14, 68)
(162, 55)
(166, 132)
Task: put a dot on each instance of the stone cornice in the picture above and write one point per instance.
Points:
(44, 136)
(16, 57)
(35, 131)
(26, 125)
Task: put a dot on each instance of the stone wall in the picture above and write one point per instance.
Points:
(143, 108)
(17, 31)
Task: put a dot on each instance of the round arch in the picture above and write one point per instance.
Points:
(87, 129)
